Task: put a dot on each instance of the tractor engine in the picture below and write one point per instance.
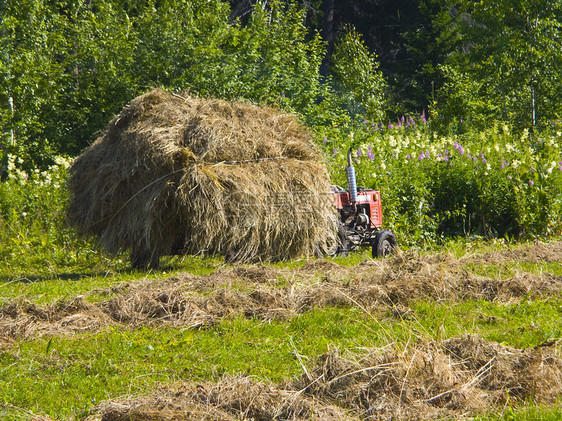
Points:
(360, 213)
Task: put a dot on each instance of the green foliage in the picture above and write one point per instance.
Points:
(507, 66)
(356, 72)
(67, 68)
(33, 233)
(491, 183)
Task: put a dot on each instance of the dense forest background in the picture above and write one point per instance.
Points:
(66, 67)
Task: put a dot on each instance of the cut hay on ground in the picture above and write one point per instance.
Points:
(173, 174)
(380, 287)
(453, 379)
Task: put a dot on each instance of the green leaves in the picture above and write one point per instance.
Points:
(511, 57)
(68, 68)
(357, 73)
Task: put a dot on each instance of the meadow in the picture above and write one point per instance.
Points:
(463, 322)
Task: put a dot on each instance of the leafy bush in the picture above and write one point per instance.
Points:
(490, 183)
(33, 233)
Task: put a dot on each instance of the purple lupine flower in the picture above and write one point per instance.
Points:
(468, 156)
(358, 152)
(509, 176)
(475, 160)
(325, 140)
(390, 126)
(335, 151)
(484, 160)
(370, 156)
(402, 119)
(369, 148)
(427, 154)
(446, 158)
(365, 121)
(531, 183)
(372, 124)
(356, 161)
(408, 157)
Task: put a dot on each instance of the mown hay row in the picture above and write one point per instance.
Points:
(455, 378)
(232, 398)
(173, 174)
(379, 287)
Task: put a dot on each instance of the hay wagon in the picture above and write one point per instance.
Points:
(175, 174)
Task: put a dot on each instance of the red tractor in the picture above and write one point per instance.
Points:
(361, 218)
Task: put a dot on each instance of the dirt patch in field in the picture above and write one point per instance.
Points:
(264, 292)
(450, 379)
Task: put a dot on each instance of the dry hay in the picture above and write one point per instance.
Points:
(381, 288)
(173, 174)
(458, 377)
(24, 320)
(233, 398)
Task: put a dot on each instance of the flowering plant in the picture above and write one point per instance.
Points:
(491, 183)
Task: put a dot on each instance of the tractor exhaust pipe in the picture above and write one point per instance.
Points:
(351, 180)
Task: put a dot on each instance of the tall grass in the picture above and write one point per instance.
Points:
(34, 238)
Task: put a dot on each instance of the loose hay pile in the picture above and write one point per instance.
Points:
(458, 378)
(189, 175)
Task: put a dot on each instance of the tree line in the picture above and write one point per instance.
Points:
(67, 66)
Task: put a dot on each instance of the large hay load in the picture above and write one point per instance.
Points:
(186, 175)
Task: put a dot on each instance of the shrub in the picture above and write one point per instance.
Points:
(491, 183)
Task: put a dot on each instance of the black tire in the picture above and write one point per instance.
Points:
(341, 246)
(384, 244)
(142, 259)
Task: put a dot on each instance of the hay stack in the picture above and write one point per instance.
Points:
(173, 174)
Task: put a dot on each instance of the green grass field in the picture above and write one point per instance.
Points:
(74, 340)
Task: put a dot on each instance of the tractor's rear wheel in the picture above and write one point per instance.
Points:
(384, 244)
